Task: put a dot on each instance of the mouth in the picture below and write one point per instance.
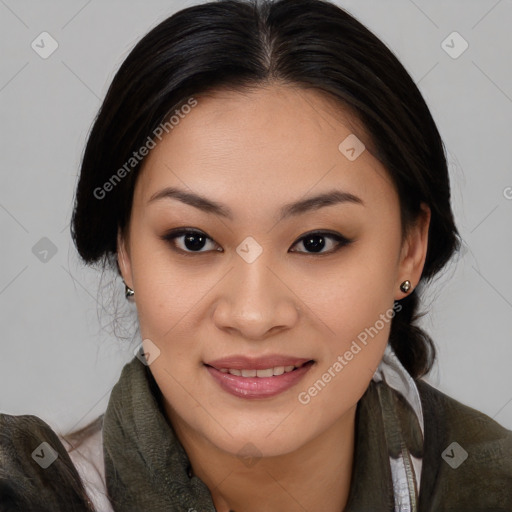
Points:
(243, 380)
(272, 371)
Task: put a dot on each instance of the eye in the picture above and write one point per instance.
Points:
(192, 241)
(316, 242)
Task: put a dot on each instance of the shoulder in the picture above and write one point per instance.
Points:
(38, 473)
(467, 423)
(468, 456)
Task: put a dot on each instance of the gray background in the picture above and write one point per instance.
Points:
(60, 355)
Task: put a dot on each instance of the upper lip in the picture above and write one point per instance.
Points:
(239, 362)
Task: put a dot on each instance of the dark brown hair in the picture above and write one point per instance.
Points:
(26, 487)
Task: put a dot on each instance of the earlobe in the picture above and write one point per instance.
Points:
(414, 253)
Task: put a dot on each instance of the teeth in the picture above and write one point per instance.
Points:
(268, 372)
(264, 373)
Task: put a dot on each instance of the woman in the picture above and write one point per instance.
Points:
(270, 185)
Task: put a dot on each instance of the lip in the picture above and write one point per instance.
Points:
(239, 362)
(259, 387)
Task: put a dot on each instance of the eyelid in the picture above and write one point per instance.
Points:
(176, 233)
(340, 239)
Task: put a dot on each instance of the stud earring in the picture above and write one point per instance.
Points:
(128, 292)
(405, 286)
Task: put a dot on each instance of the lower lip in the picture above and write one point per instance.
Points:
(258, 387)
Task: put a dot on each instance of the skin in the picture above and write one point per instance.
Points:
(255, 152)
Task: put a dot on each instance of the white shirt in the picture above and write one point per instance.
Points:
(88, 460)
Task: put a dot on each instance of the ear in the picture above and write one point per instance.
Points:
(414, 252)
(123, 259)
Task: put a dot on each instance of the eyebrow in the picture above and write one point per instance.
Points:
(328, 198)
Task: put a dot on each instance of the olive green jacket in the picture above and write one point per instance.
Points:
(473, 475)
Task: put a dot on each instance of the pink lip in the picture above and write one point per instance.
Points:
(239, 362)
(258, 387)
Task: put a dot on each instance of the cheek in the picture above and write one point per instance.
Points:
(359, 318)
(355, 301)
(165, 296)
(354, 292)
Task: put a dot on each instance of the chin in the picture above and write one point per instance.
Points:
(253, 448)
(258, 441)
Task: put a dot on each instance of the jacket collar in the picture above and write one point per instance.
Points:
(147, 468)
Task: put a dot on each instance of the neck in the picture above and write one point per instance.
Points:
(316, 476)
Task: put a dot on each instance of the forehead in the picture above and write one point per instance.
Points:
(280, 113)
(270, 141)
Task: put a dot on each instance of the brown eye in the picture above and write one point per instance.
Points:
(188, 241)
(191, 241)
(315, 242)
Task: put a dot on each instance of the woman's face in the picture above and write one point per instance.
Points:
(251, 281)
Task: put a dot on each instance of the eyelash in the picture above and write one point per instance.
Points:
(176, 233)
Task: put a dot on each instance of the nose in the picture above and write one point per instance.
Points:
(255, 301)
